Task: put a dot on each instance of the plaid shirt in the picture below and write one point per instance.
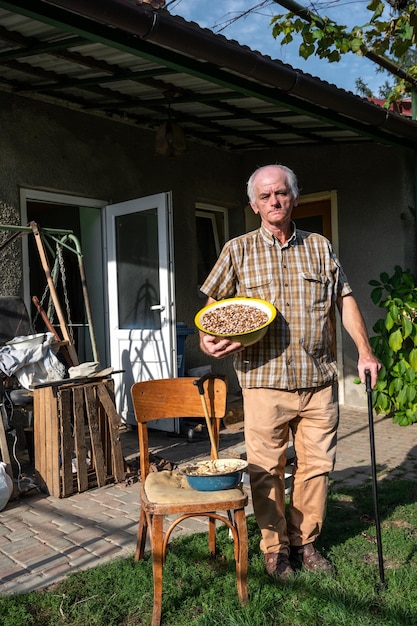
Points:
(303, 278)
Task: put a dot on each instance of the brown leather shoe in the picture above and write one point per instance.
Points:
(311, 559)
(278, 566)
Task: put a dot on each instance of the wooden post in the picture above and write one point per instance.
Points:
(62, 344)
(54, 296)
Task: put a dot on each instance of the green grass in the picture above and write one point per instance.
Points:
(199, 591)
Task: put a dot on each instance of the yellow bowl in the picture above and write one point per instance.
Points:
(247, 338)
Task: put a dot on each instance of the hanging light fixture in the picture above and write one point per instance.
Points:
(170, 138)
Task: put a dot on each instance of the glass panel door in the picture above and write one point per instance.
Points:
(142, 325)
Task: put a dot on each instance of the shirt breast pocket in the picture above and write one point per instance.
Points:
(317, 290)
(257, 287)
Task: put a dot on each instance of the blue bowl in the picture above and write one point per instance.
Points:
(215, 475)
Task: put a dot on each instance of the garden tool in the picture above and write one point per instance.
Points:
(374, 478)
(200, 384)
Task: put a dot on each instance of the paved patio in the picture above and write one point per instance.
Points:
(42, 539)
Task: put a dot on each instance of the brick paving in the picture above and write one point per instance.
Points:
(42, 539)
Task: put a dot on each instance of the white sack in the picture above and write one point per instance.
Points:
(31, 365)
(6, 486)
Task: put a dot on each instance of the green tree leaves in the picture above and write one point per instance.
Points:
(388, 33)
(395, 344)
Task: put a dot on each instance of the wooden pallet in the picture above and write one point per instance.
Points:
(76, 427)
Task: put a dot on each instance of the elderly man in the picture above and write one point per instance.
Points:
(289, 378)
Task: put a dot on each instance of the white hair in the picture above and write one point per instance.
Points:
(291, 181)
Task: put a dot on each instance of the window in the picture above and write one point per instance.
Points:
(212, 232)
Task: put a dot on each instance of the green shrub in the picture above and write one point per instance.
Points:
(395, 345)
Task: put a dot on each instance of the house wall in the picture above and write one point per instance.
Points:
(48, 147)
(60, 150)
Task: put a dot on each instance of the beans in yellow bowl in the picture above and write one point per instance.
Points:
(238, 319)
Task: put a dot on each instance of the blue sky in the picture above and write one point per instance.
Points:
(254, 30)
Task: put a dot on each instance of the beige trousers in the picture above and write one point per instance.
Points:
(312, 416)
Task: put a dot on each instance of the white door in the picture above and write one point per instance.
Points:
(142, 325)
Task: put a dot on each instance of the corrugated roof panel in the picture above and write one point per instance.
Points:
(113, 56)
(60, 67)
(26, 26)
(210, 89)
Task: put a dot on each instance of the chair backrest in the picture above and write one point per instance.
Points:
(170, 398)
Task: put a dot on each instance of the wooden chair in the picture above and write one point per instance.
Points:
(167, 493)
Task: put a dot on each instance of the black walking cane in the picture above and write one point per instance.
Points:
(374, 480)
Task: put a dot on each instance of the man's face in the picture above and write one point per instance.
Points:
(274, 201)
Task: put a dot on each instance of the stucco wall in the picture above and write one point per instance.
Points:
(64, 151)
(48, 147)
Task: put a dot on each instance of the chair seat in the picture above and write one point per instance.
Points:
(170, 487)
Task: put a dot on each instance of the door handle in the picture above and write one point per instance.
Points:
(157, 307)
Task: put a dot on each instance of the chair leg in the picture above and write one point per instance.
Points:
(242, 555)
(142, 534)
(157, 566)
(212, 536)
